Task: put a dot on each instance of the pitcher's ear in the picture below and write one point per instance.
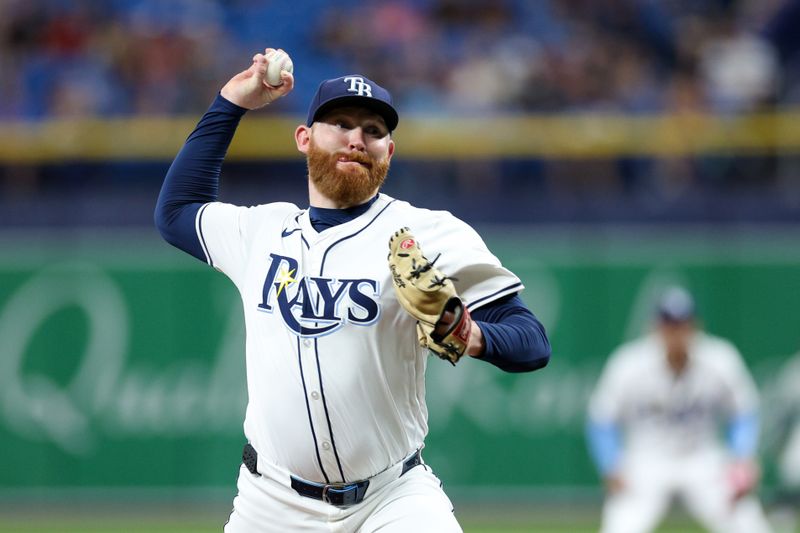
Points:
(302, 136)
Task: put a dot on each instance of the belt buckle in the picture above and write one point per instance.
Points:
(344, 495)
(325, 496)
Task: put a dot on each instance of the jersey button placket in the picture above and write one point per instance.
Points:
(316, 405)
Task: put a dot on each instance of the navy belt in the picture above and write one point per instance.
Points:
(338, 494)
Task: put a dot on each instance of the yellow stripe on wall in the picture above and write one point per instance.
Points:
(576, 136)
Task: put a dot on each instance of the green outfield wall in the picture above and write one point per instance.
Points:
(121, 359)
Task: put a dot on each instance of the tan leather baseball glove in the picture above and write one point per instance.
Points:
(443, 321)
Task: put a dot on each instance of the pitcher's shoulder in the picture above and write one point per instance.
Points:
(424, 216)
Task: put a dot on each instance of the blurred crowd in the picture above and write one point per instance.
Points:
(121, 58)
(625, 55)
(127, 57)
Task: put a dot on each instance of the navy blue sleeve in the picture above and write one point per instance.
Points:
(781, 30)
(193, 178)
(515, 339)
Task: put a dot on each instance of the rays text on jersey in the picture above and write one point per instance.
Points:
(311, 306)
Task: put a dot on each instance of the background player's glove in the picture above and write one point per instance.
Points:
(743, 477)
(430, 297)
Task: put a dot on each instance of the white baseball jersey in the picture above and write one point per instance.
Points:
(335, 375)
(788, 396)
(659, 410)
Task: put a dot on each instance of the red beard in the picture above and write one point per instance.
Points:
(346, 187)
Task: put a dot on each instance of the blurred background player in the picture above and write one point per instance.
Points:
(654, 421)
(785, 445)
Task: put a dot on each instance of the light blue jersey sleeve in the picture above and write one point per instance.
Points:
(742, 435)
(605, 445)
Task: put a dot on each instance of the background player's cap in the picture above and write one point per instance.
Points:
(676, 305)
(353, 89)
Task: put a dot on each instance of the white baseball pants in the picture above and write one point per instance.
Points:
(414, 502)
(699, 480)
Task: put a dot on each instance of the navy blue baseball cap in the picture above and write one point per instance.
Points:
(354, 90)
(676, 305)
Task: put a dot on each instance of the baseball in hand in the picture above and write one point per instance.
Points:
(278, 61)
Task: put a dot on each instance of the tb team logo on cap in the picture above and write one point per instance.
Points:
(352, 90)
(358, 86)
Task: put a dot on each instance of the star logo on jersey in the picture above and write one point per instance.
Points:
(312, 306)
(284, 278)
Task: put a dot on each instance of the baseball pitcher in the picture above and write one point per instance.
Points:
(343, 303)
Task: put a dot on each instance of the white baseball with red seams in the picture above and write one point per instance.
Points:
(278, 61)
